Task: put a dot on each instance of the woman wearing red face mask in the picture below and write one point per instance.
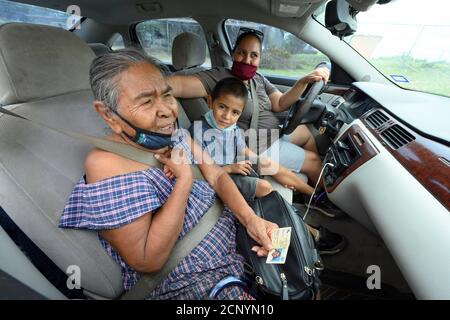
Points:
(296, 151)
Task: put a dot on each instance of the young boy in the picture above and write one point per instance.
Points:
(219, 135)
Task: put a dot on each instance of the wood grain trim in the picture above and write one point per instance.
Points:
(336, 90)
(425, 159)
(366, 148)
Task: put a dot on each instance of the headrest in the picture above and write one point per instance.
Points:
(99, 48)
(39, 61)
(188, 50)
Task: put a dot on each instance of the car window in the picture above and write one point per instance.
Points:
(156, 36)
(11, 11)
(283, 54)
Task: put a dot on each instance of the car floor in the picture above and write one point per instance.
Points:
(345, 273)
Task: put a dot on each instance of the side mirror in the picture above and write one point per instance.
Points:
(340, 18)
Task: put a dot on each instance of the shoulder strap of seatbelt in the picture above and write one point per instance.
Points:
(148, 282)
(255, 102)
(122, 149)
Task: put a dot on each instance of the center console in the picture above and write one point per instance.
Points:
(347, 154)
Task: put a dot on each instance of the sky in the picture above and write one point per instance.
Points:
(415, 27)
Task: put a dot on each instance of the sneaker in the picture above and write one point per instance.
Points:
(329, 242)
(321, 203)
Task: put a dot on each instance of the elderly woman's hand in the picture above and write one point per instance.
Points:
(177, 165)
(317, 75)
(260, 230)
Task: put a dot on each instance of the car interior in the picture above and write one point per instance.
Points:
(389, 146)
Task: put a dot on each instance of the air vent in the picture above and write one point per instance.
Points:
(377, 119)
(396, 136)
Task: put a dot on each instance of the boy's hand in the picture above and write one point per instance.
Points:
(290, 187)
(168, 172)
(244, 168)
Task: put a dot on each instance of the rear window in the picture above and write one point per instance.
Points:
(11, 11)
(156, 36)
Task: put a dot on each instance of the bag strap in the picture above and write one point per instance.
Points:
(148, 282)
(255, 102)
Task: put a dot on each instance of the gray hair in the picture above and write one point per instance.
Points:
(105, 69)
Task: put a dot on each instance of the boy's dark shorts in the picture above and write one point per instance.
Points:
(246, 185)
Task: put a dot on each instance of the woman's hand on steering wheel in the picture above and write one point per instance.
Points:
(318, 74)
(299, 111)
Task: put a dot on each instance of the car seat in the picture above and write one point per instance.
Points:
(188, 56)
(44, 75)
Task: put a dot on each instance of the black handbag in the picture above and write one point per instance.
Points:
(298, 277)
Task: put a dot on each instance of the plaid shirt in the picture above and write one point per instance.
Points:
(120, 200)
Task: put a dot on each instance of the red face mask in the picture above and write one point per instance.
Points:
(243, 71)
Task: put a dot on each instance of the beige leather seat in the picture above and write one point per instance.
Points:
(44, 75)
(188, 53)
(188, 56)
(99, 48)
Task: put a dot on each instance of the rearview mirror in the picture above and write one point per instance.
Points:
(340, 15)
(340, 18)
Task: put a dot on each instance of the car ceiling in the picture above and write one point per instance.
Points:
(124, 12)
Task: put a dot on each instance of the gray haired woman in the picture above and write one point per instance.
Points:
(116, 195)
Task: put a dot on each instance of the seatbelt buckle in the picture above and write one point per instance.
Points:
(224, 283)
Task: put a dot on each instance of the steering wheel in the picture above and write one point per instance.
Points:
(298, 111)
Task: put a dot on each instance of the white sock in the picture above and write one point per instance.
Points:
(317, 236)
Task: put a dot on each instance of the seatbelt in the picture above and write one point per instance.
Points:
(38, 258)
(148, 282)
(122, 149)
(255, 102)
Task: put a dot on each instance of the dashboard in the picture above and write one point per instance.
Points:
(424, 153)
(391, 173)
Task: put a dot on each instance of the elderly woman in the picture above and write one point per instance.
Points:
(116, 195)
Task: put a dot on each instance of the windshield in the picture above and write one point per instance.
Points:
(409, 42)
